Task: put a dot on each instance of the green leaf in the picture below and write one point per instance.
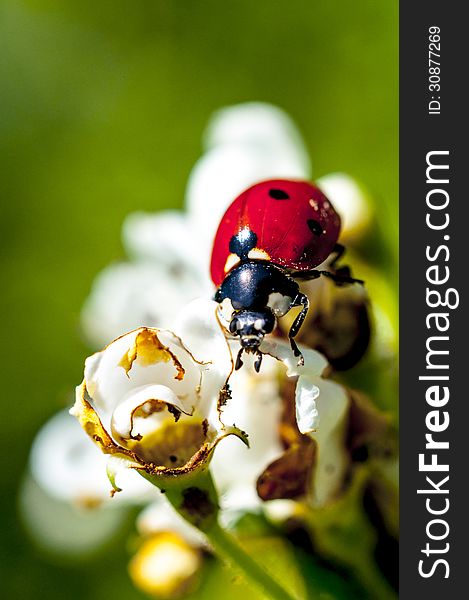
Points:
(342, 533)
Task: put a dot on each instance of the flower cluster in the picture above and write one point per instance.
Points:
(158, 400)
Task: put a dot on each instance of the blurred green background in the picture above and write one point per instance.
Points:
(102, 109)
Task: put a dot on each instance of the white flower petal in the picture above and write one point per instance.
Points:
(279, 511)
(355, 210)
(255, 407)
(314, 362)
(203, 335)
(129, 295)
(150, 399)
(199, 327)
(111, 376)
(257, 124)
(60, 527)
(332, 406)
(68, 467)
(165, 238)
(307, 392)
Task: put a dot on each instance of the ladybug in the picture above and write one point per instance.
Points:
(275, 232)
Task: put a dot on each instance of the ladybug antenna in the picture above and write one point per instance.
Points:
(239, 362)
(243, 242)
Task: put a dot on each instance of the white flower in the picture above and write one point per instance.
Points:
(150, 396)
(161, 402)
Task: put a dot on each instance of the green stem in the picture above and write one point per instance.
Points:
(232, 553)
(195, 498)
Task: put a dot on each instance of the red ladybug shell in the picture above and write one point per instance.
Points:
(295, 224)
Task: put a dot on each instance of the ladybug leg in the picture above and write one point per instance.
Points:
(305, 275)
(257, 364)
(296, 352)
(341, 277)
(300, 300)
(239, 362)
(340, 274)
(339, 252)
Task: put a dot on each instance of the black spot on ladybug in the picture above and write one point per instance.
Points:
(278, 194)
(314, 226)
(243, 242)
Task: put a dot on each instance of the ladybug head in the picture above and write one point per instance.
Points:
(251, 327)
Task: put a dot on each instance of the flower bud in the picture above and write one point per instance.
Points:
(166, 566)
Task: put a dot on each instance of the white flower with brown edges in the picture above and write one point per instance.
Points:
(150, 397)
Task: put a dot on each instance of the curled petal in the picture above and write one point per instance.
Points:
(92, 425)
(148, 349)
(144, 403)
(313, 362)
(179, 448)
(146, 398)
(332, 459)
(139, 358)
(307, 415)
